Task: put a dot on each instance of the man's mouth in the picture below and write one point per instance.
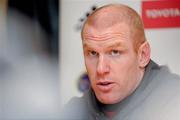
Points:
(104, 83)
(105, 86)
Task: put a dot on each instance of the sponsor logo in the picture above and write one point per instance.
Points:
(83, 83)
(161, 14)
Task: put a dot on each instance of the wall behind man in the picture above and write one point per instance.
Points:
(164, 43)
(29, 88)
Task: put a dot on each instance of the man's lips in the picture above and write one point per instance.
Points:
(105, 86)
(104, 83)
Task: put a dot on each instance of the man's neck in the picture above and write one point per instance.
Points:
(109, 110)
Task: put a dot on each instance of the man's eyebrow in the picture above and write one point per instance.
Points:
(116, 44)
(112, 45)
(85, 45)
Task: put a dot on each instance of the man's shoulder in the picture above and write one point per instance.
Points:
(162, 75)
(161, 96)
(164, 84)
(167, 78)
(75, 109)
(158, 97)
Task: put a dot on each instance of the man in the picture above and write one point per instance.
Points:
(125, 83)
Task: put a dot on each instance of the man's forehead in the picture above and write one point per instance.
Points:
(119, 31)
(104, 44)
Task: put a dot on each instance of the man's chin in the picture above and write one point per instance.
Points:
(107, 99)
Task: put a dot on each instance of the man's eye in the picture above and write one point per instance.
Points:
(115, 53)
(93, 53)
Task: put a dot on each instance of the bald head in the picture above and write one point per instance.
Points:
(111, 15)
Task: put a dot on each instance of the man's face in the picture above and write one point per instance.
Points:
(111, 62)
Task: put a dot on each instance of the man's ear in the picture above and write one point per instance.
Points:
(144, 54)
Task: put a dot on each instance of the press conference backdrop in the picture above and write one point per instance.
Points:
(162, 31)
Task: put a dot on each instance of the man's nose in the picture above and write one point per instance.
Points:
(102, 65)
